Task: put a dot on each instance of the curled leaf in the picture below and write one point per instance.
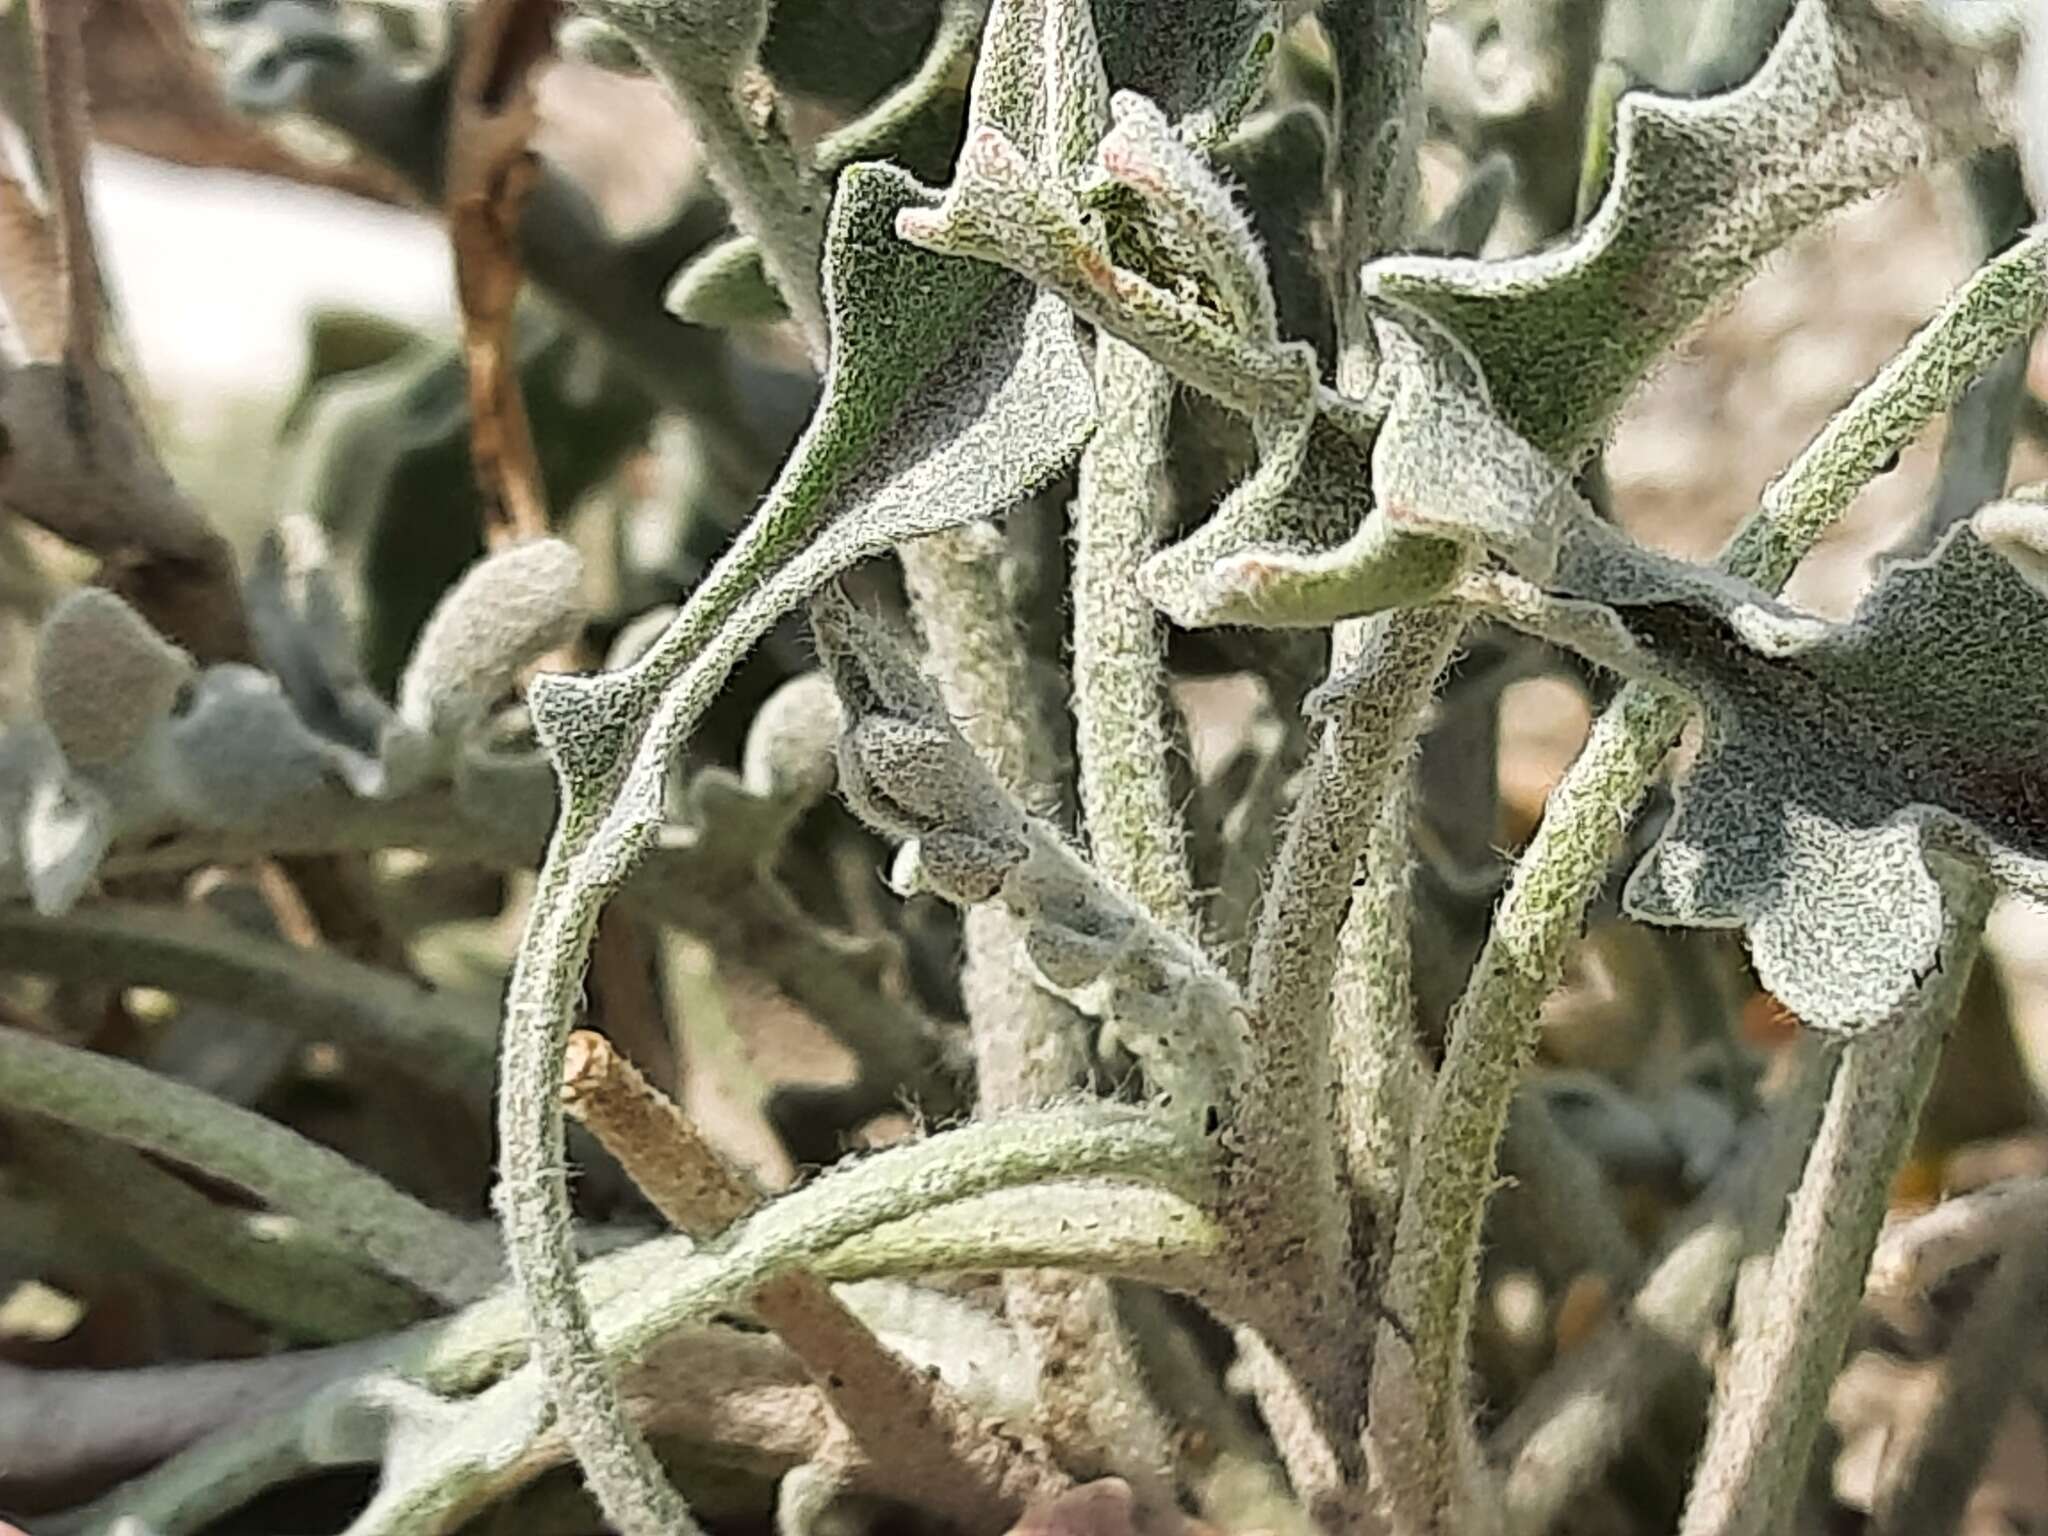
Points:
(511, 609)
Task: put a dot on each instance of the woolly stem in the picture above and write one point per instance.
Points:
(303, 1290)
(346, 1206)
(651, 1293)
(1134, 832)
(1493, 1029)
(2002, 304)
(915, 1430)
(704, 53)
(1029, 1047)
(1291, 1191)
(316, 993)
(1773, 1390)
(533, 1197)
(1373, 1045)
(1084, 1223)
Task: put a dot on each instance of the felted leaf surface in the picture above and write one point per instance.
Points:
(1343, 530)
(1701, 192)
(1837, 758)
(952, 392)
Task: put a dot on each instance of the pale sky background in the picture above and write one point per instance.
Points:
(215, 272)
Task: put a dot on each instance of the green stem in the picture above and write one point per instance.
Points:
(1134, 831)
(1493, 1029)
(1161, 1239)
(1773, 1391)
(302, 1289)
(317, 993)
(1030, 1048)
(345, 1205)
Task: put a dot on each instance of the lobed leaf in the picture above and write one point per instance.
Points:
(952, 392)
(1701, 192)
(1839, 759)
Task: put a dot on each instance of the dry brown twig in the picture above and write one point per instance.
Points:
(77, 459)
(155, 91)
(31, 273)
(490, 169)
(918, 1438)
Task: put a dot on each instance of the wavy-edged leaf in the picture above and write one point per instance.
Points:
(1838, 758)
(952, 392)
(1702, 191)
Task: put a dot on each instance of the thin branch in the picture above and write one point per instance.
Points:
(346, 1205)
(1029, 1046)
(303, 1290)
(490, 170)
(67, 140)
(1773, 1390)
(1938, 1469)
(1917, 1255)
(31, 273)
(313, 993)
(1493, 1029)
(648, 1295)
(1134, 831)
(1142, 1232)
(1571, 1425)
(658, 1145)
(626, 991)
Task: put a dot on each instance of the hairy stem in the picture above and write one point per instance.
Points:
(918, 1434)
(1148, 1229)
(346, 1206)
(772, 194)
(1134, 831)
(1029, 1047)
(533, 1199)
(1493, 1029)
(1373, 1043)
(1384, 673)
(1773, 1390)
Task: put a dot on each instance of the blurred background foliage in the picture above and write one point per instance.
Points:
(266, 195)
